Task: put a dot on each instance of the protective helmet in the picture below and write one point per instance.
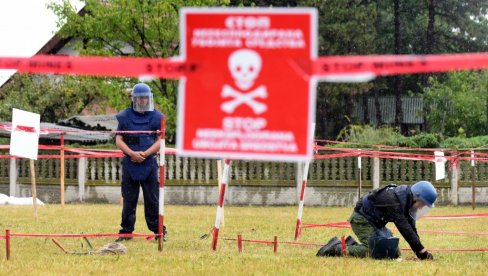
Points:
(142, 98)
(425, 191)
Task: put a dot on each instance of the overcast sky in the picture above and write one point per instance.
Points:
(25, 26)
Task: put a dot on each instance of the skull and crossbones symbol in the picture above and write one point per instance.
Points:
(244, 66)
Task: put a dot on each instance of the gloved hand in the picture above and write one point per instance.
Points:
(425, 255)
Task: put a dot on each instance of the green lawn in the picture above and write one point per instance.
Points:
(185, 253)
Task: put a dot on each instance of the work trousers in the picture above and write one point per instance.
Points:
(130, 194)
(364, 230)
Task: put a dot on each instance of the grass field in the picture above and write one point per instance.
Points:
(185, 253)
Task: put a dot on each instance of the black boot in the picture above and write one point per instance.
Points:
(331, 249)
(165, 234)
(121, 239)
(335, 251)
(351, 241)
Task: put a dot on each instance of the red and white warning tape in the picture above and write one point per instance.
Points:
(100, 66)
(274, 242)
(341, 68)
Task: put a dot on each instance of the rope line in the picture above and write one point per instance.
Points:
(320, 244)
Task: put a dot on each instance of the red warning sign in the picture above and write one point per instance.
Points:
(249, 100)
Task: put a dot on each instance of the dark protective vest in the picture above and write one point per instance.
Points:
(373, 211)
(391, 204)
(129, 120)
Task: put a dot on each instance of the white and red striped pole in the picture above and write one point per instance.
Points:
(360, 175)
(473, 179)
(225, 181)
(162, 149)
(298, 229)
(219, 172)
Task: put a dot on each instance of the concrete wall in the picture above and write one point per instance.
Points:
(235, 195)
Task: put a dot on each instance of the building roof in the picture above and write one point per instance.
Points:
(74, 135)
(91, 122)
(51, 134)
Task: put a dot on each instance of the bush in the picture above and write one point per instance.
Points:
(366, 135)
(465, 143)
(369, 136)
(401, 141)
(426, 140)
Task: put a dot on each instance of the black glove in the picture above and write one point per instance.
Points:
(425, 256)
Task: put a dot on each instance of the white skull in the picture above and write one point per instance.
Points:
(244, 66)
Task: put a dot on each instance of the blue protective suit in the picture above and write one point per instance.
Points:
(129, 120)
(139, 175)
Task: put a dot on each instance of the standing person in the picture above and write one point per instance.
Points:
(139, 165)
(402, 205)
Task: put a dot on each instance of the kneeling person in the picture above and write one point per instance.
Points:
(402, 205)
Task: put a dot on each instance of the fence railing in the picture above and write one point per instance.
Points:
(337, 172)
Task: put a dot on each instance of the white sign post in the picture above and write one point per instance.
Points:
(440, 165)
(24, 139)
(24, 142)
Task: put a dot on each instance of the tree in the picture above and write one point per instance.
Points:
(345, 28)
(45, 95)
(427, 27)
(457, 106)
(265, 3)
(459, 26)
(140, 28)
(398, 83)
(148, 28)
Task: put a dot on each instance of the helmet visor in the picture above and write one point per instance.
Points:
(416, 214)
(142, 103)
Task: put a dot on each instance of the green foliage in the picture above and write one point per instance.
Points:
(365, 136)
(55, 98)
(140, 28)
(264, 3)
(426, 140)
(466, 18)
(401, 141)
(345, 28)
(146, 28)
(367, 27)
(465, 143)
(458, 105)
(369, 136)
(461, 26)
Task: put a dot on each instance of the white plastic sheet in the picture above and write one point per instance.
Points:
(12, 200)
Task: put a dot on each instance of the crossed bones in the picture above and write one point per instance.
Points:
(248, 98)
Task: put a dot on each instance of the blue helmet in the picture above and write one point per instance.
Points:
(142, 98)
(141, 89)
(425, 191)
